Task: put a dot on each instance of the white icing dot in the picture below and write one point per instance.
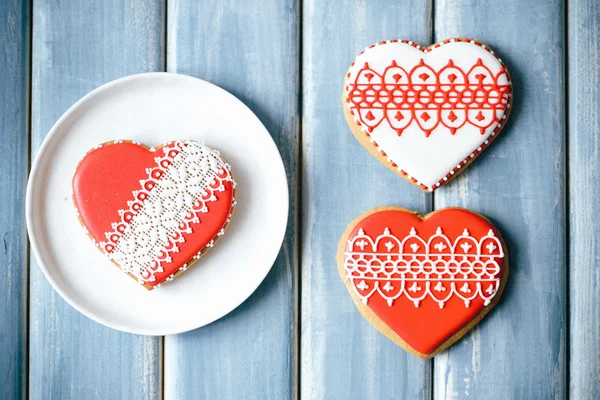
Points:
(362, 285)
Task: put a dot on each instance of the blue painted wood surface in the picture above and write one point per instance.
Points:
(78, 46)
(14, 118)
(519, 350)
(584, 190)
(251, 49)
(305, 339)
(342, 355)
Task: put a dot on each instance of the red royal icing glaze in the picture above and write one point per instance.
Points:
(107, 180)
(104, 182)
(427, 326)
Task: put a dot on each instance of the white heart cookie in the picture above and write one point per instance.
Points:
(427, 112)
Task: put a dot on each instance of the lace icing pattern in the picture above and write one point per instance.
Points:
(451, 96)
(177, 190)
(391, 267)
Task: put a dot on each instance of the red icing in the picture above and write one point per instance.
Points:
(202, 233)
(427, 326)
(104, 183)
(452, 96)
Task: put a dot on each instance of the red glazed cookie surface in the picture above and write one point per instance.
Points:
(153, 211)
(423, 281)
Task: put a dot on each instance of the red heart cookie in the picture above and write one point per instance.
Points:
(153, 211)
(423, 281)
(427, 112)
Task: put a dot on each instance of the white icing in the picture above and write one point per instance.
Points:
(187, 184)
(426, 159)
(463, 268)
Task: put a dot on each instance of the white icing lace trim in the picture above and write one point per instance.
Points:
(176, 191)
(416, 269)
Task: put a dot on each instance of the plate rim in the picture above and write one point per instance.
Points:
(29, 205)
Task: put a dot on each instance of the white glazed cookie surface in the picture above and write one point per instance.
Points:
(428, 110)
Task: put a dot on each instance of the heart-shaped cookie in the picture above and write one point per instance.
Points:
(427, 112)
(153, 211)
(423, 281)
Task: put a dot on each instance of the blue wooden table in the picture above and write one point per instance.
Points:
(299, 335)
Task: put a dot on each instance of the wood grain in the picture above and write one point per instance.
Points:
(342, 355)
(251, 49)
(584, 206)
(14, 122)
(518, 351)
(77, 47)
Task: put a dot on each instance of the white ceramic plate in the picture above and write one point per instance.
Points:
(154, 108)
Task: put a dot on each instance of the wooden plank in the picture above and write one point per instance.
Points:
(249, 48)
(14, 121)
(77, 47)
(342, 355)
(584, 186)
(518, 351)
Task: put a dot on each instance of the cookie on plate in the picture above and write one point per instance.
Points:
(153, 211)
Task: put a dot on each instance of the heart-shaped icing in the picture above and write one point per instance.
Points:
(153, 211)
(427, 112)
(423, 281)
